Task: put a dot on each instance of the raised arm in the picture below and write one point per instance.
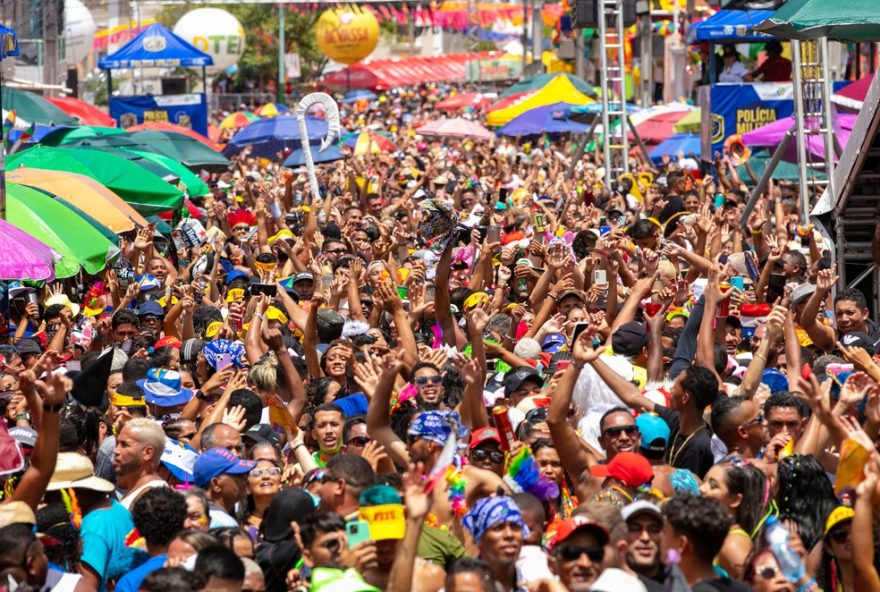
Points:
(379, 412)
(822, 335)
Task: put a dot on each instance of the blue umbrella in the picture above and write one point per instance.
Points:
(297, 159)
(596, 108)
(267, 137)
(549, 119)
(686, 143)
(353, 96)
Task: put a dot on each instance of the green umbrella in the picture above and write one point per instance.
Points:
(32, 107)
(690, 123)
(784, 171)
(146, 192)
(43, 216)
(185, 150)
(852, 20)
(195, 187)
(74, 135)
(541, 81)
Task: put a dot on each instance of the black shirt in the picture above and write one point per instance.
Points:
(692, 451)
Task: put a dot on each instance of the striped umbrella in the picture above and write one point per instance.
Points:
(368, 142)
(238, 119)
(271, 109)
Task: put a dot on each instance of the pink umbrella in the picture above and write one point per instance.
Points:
(771, 135)
(455, 128)
(462, 100)
(22, 257)
(852, 96)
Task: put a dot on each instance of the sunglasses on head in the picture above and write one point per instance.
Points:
(359, 441)
(616, 431)
(496, 457)
(425, 380)
(574, 552)
(271, 471)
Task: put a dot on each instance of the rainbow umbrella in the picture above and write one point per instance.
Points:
(368, 142)
(238, 119)
(271, 110)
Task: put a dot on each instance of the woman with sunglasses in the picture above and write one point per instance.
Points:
(744, 491)
(763, 573)
(836, 568)
(263, 482)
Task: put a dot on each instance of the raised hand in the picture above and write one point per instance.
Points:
(235, 417)
(582, 349)
(417, 500)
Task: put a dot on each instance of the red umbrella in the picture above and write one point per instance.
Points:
(853, 95)
(86, 113)
(164, 126)
(508, 101)
(462, 100)
(658, 127)
(455, 128)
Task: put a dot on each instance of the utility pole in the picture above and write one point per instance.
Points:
(52, 11)
(282, 46)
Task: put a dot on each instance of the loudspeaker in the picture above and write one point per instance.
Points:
(174, 85)
(584, 13)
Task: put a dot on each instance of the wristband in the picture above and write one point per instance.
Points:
(53, 408)
(21, 416)
(810, 586)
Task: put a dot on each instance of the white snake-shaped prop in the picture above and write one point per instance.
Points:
(331, 111)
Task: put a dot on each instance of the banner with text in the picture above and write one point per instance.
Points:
(741, 108)
(189, 111)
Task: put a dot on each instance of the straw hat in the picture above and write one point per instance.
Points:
(76, 470)
(16, 513)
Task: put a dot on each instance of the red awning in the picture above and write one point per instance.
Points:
(385, 73)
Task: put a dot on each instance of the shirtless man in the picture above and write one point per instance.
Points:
(426, 435)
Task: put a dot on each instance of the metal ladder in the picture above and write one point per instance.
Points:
(612, 77)
(812, 103)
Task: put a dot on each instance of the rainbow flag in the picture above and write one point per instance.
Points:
(8, 124)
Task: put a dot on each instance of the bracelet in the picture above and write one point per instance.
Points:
(297, 446)
(757, 232)
(53, 408)
(21, 416)
(259, 315)
(553, 297)
(810, 586)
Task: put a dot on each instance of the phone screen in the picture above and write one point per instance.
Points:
(223, 361)
(578, 329)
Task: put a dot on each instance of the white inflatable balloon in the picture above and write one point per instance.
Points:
(214, 31)
(79, 31)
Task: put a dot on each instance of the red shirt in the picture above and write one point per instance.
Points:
(774, 69)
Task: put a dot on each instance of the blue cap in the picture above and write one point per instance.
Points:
(219, 461)
(151, 308)
(236, 274)
(162, 388)
(179, 458)
(775, 380)
(353, 404)
(653, 428)
(553, 343)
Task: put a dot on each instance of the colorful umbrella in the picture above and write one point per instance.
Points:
(34, 108)
(83, 192)
(353, 96)
(541, 81)
(86, 113)
(143, 190)
(271, 109)
(462, 100)
(297, 159)
(238, 120)
(367, 142)
(685, 143)
(194, 185)
(853, 20)
(22, 257)
(267, 137)
(164, 126)
(71, 135)
(853, 95)
(549, 119)
(182, 148)
(455, 128)
(656, 124)
(78, 242)
(771, 135)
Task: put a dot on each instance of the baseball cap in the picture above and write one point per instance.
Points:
(382, 508)
(858, 339)
(219, 461)
(162, 388)
(236, 274)
(576, 293)
(302, 276)
(575, 523)
(261, 432)
(640, 507)
(484, 435)
(632, 469)
(553, 343)
(151, 308)
(24, 436)
(838, 515)
(801, 293)
(29, 346)
(655, 432)
(179, 458)
(514, 379)
(629, 339)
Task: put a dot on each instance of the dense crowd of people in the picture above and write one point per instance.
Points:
(464, 366)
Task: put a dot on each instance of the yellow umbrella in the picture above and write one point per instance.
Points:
(558, 90)
(84, 193)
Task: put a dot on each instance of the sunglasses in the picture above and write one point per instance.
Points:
(425, 380)
(495, 457)
(271, 471)
(335, 251)
(359, 441)
(768, 572)
(616, 431)
(758, 419)
(574, 552)
(839, 536)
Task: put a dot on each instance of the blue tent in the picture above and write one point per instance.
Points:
(685, 143)
(156, 46)
(730, 26)
(550, 119)
(297, 158)
(267, 137)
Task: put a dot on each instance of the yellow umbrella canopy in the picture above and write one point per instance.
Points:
(558, 90)
(83, 192)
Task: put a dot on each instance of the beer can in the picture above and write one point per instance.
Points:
(504, 427)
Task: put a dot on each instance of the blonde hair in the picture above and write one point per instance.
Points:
(149, 433)
(264, 376)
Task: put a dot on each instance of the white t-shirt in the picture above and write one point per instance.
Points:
(733, 73)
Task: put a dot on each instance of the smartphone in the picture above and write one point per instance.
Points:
(578, 329)
(358, 531)
(751, 267)
(776, 287)
(719, 200)
(539, 222)
(502, 196)
(738, 282)
(599, 276)
(224, 361)
(493, 235)
(267, 289)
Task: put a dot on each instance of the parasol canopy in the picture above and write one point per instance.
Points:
(368, 142)
(186, 150)
(852, 96)
(86, 113)
(164, 126)
(271, 110)
(22, 257)
(687, 144)
(34, 108)
(462, 100)
(852, 20)
(238, 119)
(267, 137)
(558, 90)
(539, 82)
(549, 119)
(456, 127)
(771, 135)
(297, 159)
